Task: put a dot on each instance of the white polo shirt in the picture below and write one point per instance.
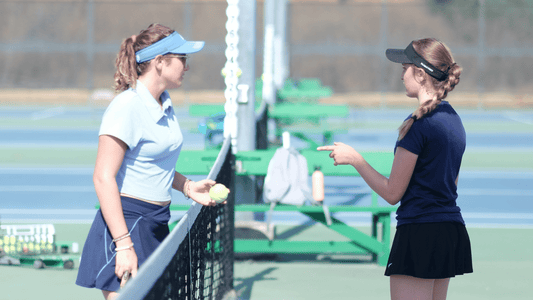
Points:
(154, 142)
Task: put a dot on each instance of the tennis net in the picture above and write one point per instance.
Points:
(196, 260)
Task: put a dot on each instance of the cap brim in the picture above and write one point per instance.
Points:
(189, 47)
(397, 56)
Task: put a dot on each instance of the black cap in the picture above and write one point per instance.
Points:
(409, 56)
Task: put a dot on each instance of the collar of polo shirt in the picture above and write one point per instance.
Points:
(151, 104)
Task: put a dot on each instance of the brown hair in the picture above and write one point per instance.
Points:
(440, 56)
(127, 68)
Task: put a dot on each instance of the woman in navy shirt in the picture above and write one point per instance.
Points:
(139, 143)
(431, 244)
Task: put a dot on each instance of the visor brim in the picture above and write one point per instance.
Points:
(188, 47)
(397, 56)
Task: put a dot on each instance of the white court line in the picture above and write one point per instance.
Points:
(499, 148)
(86, 189)
(90, 170)
(353, 219)
(499, 225)
(47, 171)
(71, 216)
(520, 216)
(21, 211)
(494, 192)
(467, 215)
(473, 220)
(48, 113)
(45, 188)
(33, 145)
(46, 220)
(496, 174)
(519, 117)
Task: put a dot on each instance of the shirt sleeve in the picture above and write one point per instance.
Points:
(119, 121)
(414, 140)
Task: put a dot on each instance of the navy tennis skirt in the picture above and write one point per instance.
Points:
(430, 251)
(148, 226)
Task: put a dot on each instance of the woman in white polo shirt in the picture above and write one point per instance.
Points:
(139, 144)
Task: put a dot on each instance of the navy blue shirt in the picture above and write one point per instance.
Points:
(439, 140)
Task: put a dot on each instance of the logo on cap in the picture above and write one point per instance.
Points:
(430, 69)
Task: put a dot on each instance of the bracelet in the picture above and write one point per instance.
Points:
(124, 248)
(121, 238)
(186, 189)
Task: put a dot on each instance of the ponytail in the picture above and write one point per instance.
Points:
(439, 55)
(126, 74)
(127, 69)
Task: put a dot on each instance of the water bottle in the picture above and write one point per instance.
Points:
(318, 185)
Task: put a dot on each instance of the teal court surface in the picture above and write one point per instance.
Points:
(502, 264)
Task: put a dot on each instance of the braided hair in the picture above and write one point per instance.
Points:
(440, 56)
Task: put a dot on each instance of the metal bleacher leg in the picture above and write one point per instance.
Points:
(385, 238)
(375, 220)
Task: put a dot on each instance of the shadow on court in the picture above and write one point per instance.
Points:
(244, 286)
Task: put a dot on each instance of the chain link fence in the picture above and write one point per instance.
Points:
(72, 44)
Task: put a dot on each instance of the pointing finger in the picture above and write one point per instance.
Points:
(326, 148)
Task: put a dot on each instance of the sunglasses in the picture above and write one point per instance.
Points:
(185, 59)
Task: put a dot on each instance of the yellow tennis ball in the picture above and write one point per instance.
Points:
(224, 73)
(219, 193)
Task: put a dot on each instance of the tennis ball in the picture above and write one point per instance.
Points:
(219, 193)
(224, 73)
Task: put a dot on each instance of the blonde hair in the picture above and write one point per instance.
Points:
(440, 56)
(127, 69)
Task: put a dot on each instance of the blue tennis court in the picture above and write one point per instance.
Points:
(65, 193)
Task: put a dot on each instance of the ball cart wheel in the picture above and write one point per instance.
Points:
(38, 264)
(69, 264)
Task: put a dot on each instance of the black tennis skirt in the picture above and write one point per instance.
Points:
(430, 251)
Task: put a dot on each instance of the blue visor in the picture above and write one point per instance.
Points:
(173, 43)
